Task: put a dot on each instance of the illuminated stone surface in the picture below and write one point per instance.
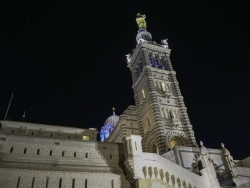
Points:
(150, 145)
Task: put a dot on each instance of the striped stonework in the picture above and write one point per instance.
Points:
(161, 113)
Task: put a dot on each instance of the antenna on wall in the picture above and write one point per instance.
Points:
(6, 114)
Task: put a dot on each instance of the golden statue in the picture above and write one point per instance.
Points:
(140, 20)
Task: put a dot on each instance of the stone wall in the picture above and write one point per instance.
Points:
(52, 131)
(59, 163)
(25, 178)
(153, 170)
(37, 146)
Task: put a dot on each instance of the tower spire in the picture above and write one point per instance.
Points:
(113, 110)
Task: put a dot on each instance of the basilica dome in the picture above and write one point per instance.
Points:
(108, 126)
(112, 119)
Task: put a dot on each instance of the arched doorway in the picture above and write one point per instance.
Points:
(176, 141)
(173, 143)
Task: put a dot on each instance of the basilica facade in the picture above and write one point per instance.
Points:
(151, 145)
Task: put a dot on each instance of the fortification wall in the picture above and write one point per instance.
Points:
(25, 178)
(35, 162)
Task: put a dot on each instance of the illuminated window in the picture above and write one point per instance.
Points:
(150, 61)
(143, 94)
(173, 143)
(163, 85)
(162, 63)
(156, 62)
(85, 138)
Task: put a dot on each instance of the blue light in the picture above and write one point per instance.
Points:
(102, 138)
(156, 62)
(105, 131)
(150, 61)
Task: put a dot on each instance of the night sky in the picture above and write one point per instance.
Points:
(65, 62)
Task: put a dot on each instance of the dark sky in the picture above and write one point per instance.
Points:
(65, 62)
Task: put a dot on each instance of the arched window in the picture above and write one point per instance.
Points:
(157, 64)
(171, 114)
(150, 60)
(164, 63)
(163, 85)
(139, 69)
(138, 72)
(143, 94)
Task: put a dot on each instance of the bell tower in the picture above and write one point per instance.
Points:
(162, 116)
